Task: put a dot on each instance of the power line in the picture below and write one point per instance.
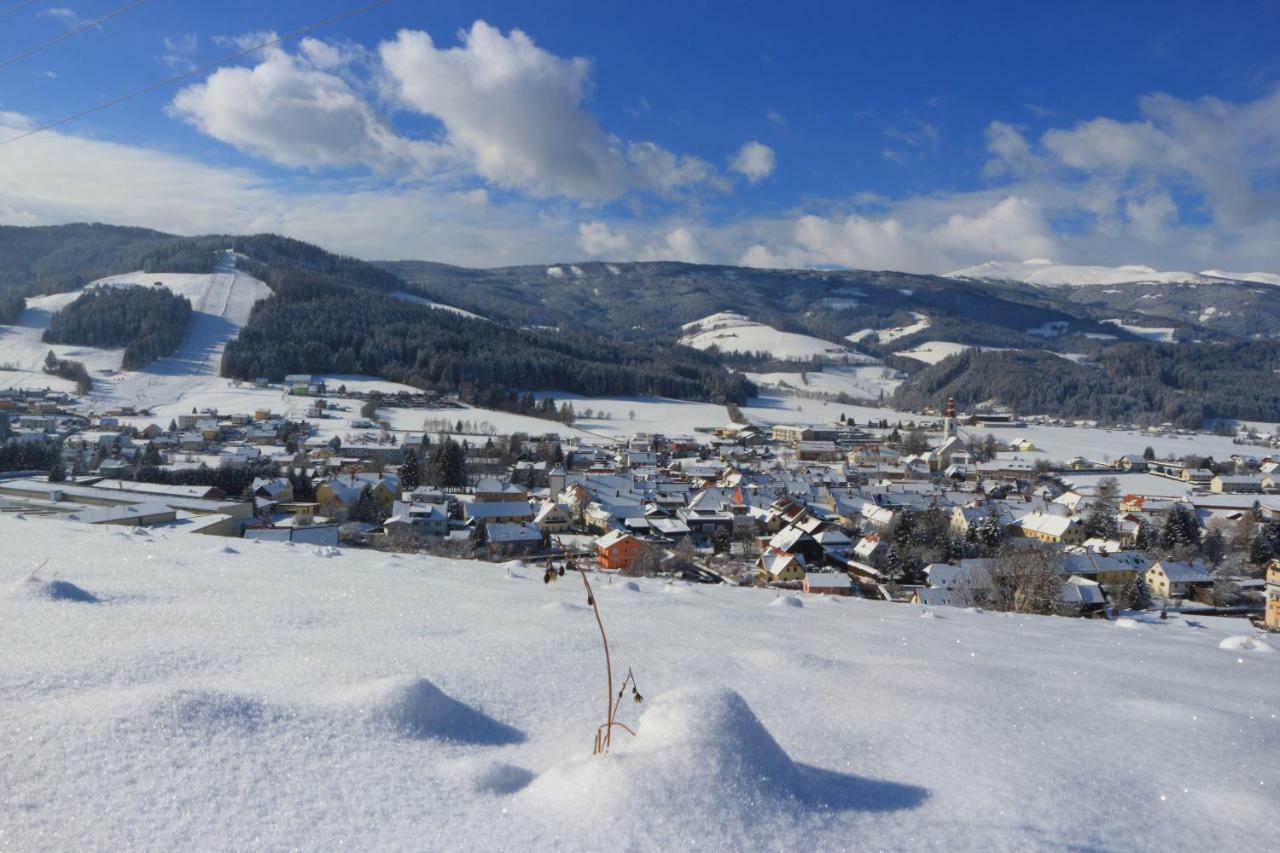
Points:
(77, 31)
(24, 4)
(194, 71)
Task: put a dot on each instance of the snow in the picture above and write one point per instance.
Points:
(220, 302)
(1245, 643)
(1050, 329)
(1159, 334)
(1046, 273)
(265, 700)
(555, 272)
(890, 335)
(418, 300)
(737, 333)
(932, 352)
(865, 382)
(1257, 277)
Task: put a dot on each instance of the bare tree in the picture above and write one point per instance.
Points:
(646, 564)
(1026, 580)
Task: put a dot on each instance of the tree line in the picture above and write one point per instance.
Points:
(149, 322)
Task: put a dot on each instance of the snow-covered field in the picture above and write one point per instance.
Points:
(932, 352)
(865, 382)
(418, 300)
(269, 697)
(1160, 334)
(890, 335)
(737, 333)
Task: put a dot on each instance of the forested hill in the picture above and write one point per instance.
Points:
(1184, 384)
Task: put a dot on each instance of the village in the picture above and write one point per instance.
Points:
(948, 511)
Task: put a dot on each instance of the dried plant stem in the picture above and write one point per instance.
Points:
(602, 743)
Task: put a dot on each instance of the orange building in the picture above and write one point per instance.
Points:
(618, 550)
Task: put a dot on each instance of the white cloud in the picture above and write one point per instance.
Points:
(517, 113)
(678, 244)
(289, 111)
(67, 17)
(599, 240)
(754, 161)
(179, 51)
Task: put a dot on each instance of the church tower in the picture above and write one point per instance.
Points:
(949, 419)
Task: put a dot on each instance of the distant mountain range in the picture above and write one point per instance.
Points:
(1045, 273)
(698, 330)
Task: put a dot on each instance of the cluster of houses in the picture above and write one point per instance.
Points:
(808, 507)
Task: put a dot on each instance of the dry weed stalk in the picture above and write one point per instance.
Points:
(604, 732)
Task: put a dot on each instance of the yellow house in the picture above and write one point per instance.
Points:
(775, 565)
(346, 491)
(552, 518)
(1051, 528)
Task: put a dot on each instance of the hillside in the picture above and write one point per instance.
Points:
(1184, 384)
(700, 332)
(208, 693)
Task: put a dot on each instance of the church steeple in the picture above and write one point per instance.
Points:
(949, 419)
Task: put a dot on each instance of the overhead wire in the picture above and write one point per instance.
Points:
(18, 8)
(70, 34)
(208, 66)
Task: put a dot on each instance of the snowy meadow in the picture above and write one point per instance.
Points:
(162, 691)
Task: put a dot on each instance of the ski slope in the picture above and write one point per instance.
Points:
(221, 303)
(177, 692)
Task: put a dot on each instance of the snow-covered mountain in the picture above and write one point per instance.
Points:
(166, 690)
(1046, 273)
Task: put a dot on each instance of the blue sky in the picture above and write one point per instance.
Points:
(921, 136)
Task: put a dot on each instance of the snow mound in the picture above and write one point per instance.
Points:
(562, 607)
(786, 601)
(690, 744)
(1126, 622)
(625, 586)
(415, 707)
(490, 777)
(1242, 643)
(34, 587)
(327, 551)
(207, 712)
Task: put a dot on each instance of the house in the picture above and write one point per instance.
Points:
(493, 490)
(1197, 476)
(1173, 579)
(871, 549)
(552, 518)
(1051, 528)
(419, 519)
(827, 583)
(619, 550)
(514, 538)
(498, 512)
(775, 565)
(1080, 596)
(1236, 484)
(1132, 462)
(1273, 595)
